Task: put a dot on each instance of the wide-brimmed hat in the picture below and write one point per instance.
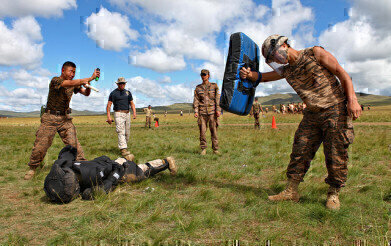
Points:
(121, 80)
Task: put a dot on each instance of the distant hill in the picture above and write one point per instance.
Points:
(275, 99)
(4, 113)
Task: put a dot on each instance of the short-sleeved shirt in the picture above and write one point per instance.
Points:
(148, 112)
(120, 99)
(315, 84)
(59, 97)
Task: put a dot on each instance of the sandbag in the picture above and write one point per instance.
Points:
(237, 95)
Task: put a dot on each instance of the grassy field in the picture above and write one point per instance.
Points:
(213, 200)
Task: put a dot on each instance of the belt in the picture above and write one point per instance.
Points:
(58, 112)
(122, 111)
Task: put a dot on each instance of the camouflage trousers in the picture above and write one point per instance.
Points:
(332, 127)
(50, 124)
(148, 121)
(256, 123)
(122, 127)
(203, 121)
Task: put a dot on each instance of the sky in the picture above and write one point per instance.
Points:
(160, 46)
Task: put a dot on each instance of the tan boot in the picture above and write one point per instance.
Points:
(333, 198)
(203, 152)
(172, 166)
(290, 193)
(216, 152)
(124, 152)
(30, 174)
(129, 157)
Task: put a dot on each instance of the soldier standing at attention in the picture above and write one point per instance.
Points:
(257, 108)
(121, 98)
(148, 113)
(331, 106)
(56, 117)
(207, 109)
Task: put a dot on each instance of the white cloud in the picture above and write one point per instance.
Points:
(45, 8)
(377, 12)
(158, 60)
(33, 80)
(20, 45)
(362, 45)
(188, 32)
(110, 30)
(151, 92)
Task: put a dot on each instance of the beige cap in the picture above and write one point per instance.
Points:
(121, 80)
(272, 43)
(205, 71)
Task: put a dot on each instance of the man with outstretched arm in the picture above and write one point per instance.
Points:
(56, 117)
(327, 90)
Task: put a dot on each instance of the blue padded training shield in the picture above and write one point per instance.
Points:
(237, 95)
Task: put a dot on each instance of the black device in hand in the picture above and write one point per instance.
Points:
(97, 78)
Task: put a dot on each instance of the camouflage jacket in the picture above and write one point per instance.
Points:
(256, 108)
(59, 97)
(315, 84)
(206, 99)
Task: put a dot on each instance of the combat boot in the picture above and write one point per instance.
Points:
(203, 152)
(216, 152)
(30, 174)
(332, 201)
(124, 152)
(290, 193)
(172, 166)
(130, 157)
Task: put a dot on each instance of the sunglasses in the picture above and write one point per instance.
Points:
(204, 74)
(121, 83)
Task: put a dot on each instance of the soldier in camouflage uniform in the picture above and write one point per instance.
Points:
(256, 109)
(56, 117)
(331, 106)
(148, 114)
(207, 109)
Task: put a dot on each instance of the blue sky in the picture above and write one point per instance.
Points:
(159, 46)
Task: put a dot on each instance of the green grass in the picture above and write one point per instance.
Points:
(213, 200)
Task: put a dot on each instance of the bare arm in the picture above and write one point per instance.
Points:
(327, 60)
(76, 82)
(253, 76)
(133, 109)
(109, 120)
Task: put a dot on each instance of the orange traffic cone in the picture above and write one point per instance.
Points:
(156, 124)
(274, 125)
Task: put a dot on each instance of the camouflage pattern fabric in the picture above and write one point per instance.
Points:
(59, 97)
(122, 127)
(203, 121)
(315, 85)
(256, 123)
(206, 99)
(148, 121)
(256, 107)
(332, 127)
(50, 124)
